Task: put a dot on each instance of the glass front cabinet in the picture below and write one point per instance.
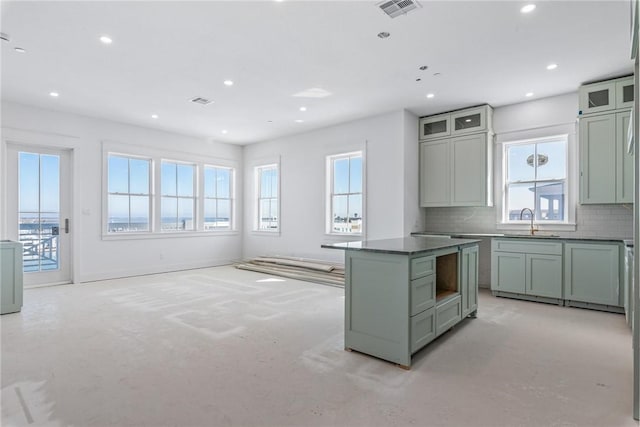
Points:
(606, 96)
(470, 120)
(435, 126)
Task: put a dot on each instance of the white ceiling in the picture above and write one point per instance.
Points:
(166, 52)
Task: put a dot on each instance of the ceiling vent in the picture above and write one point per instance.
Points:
(395, 8)
(201, 101)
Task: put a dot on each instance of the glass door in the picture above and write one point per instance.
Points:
(40, 211)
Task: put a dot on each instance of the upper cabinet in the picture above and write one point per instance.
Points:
(470, 120)
(606, 96)
(456, 164)
(606, 166)
(435, 126)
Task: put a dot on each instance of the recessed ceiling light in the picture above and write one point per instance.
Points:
(269, 121)
(528, 94)
(303, 108)
(228, 82)
(383, 34)
(54, 94)
(313, 92)
(5, 37)
(106, 39)
(224, 131)
(299, 121)
(430, 95)
(528, 8)
(19, 49)
(552, 66)
(418, 79)
(436, 74)
(154, 116)
(468, 120)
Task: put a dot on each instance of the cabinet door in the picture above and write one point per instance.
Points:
(508, 272)
(435, 126)
(597, 97)
(469, 280)
(624, 93)
(434, 173)
(544, 275)
(592, 273)
(598, 159)
(467, 121)
(469, 170)
(624, 161)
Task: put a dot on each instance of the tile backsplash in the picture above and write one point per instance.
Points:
(592, 221)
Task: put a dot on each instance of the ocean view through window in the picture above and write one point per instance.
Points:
(178, 196)
(217, 198)
(128, 194)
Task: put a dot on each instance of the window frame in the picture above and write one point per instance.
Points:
(569, 197)
(257, 197)
(231, 197)
(107, 193)
(195, 199)
(157, 156)
(330, 180)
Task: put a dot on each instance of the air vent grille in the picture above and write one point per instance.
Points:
(201, 101)
(395, 8)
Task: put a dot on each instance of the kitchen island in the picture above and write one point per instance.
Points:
(400, 294)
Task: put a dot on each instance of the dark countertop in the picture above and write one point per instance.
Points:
(542, 235)
(404, 245)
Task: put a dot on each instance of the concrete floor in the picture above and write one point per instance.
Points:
(224, 347)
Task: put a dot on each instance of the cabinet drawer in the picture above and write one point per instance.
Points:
(423, 329)
(422, 266)
(423, 293)
(448, 314)
(527, 246)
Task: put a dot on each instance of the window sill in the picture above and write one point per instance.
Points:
(167, 234)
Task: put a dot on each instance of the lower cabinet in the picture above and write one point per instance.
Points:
(592, 273)
(527, 268)
(582, 274)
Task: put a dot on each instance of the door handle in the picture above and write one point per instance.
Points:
(66, 225)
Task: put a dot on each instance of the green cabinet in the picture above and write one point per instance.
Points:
(395, 304)
(592, 273)
(469, 280)
(456, 171)
(606, 96)
(11, 276)
(456, 155)
(527, 268)
(606, 167)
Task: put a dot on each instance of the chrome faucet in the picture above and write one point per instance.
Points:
(532, 230)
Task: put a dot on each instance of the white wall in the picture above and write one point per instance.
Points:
(390, 196)
(95, 258)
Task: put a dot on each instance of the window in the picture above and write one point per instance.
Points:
(345, 193)
(217, 198)
(128, 200)
(178, 199)
(536, 178)
(267, 190)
